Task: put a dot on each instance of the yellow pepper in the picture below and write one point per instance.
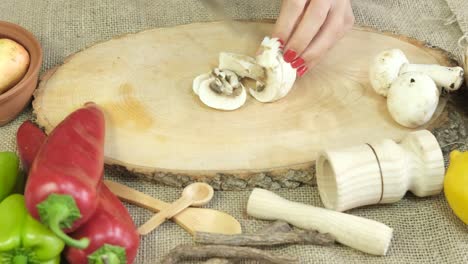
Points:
(456, 184)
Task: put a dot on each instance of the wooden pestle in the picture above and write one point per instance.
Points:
(380, 172)
(357, 232)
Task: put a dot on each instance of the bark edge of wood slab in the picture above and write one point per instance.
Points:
(261, 160)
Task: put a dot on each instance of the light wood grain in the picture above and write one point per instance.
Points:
(191, 219)
(156, 125)
(380, 172)
(196, 194)
(360, 233)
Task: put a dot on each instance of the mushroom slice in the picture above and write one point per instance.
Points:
(216, 98)
(385, 68)
(412, 99)
(220, 89)
(198, 80)
(280, 75)
(242, 65)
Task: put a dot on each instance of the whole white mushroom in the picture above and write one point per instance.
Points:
(389, 64)
(385, 68)
(412, 99)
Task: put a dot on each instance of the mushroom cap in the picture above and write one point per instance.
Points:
(220, 101)
(385, 68)
(412, 99)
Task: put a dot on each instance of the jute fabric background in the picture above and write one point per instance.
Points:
(425, 230)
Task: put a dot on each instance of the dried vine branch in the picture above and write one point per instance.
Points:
(219, 261)
(277, 226)
(184, 252)
(279, 233)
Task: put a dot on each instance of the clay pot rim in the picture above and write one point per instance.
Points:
(35, 58)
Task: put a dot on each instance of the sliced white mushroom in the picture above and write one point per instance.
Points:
(214, 99)
(412, 99)
(447, 78)
(197, 81)
(242, 65)
(274, 77)
(269, 51)
(278, 83)
(280, 75)
(385, 68)
(220, 89)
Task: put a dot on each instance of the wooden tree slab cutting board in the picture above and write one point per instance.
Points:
(158, 128)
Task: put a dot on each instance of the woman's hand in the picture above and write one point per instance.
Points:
(309, 28)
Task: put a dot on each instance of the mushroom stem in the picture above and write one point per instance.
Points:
(447, 78)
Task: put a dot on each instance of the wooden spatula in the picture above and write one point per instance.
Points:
(191, 219)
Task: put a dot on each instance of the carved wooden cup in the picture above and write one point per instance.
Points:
(380, 172)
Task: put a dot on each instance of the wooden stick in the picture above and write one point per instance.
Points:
(266, 239)
(215, 251)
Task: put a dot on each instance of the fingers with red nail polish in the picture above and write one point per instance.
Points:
(298, 62)
(302, 70)
(281, 43)
(289, 55)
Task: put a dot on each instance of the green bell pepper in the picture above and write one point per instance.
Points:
(9, 173)
(23, 240)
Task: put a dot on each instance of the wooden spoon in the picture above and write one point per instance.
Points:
(191, 219)
(196, 194)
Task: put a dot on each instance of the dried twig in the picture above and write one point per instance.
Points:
(219, 261)
(277, 226)
(199, 252)
(279, 233)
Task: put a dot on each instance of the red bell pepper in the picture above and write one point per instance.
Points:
(111, 230)
(65, 177)
(29, 139)
(111, 225)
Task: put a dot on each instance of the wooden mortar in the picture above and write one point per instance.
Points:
(380, 172)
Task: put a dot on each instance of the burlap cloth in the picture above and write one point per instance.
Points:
(425, 230)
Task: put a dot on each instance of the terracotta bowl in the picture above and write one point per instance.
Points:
(14, 100)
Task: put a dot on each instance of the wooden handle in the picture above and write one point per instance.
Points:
(360, 233)
(175, 208)
(191, 219)
(135, 197)
(380, 172)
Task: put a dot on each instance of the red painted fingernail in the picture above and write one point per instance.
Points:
(297, 63)
(289, 55)
(302, 70)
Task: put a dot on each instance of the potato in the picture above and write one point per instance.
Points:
(14, 62)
